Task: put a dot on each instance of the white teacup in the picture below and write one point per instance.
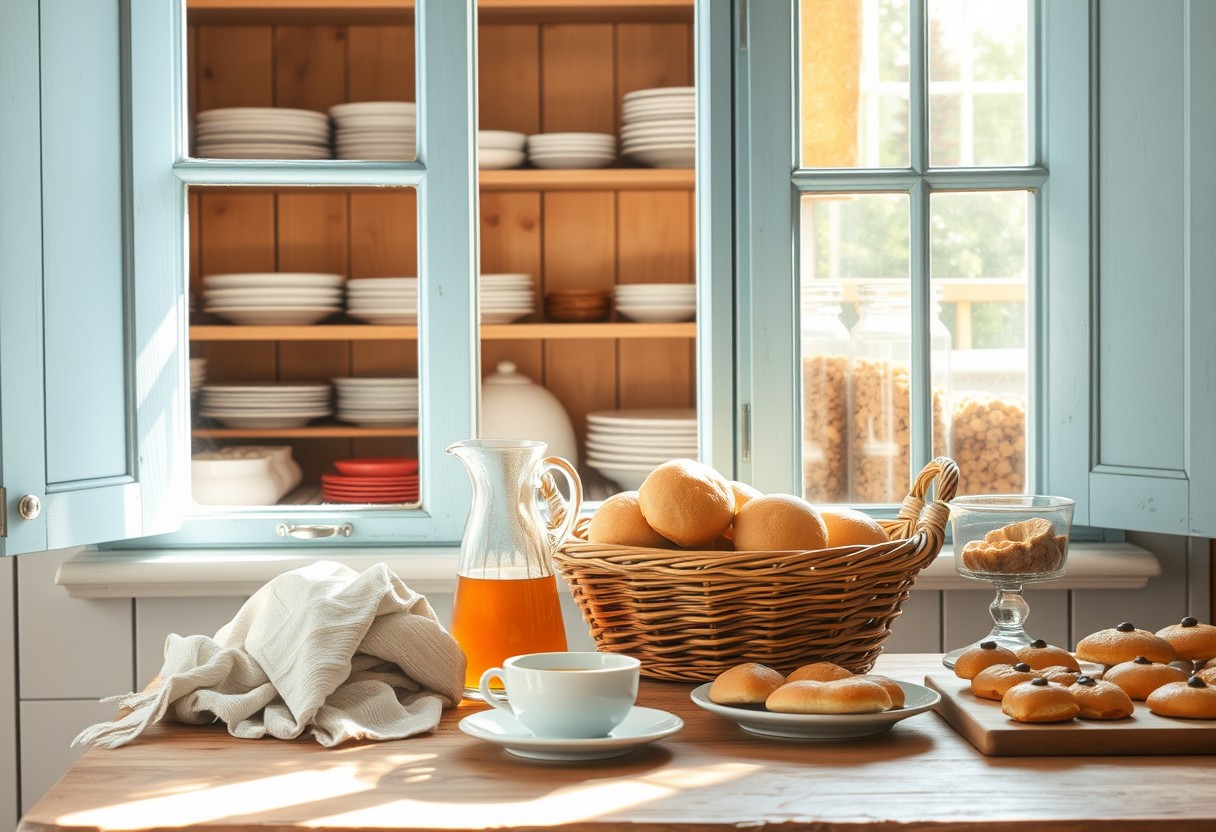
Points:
(566, 695)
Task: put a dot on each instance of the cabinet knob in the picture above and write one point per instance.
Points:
(29, 507)
(314, 532)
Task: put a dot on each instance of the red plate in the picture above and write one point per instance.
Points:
(378, 466)
(368, 482)
(334, 498)
(371, 492)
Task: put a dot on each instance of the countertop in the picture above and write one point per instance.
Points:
(712, 775)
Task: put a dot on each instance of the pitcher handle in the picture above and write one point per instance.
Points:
(563, 513)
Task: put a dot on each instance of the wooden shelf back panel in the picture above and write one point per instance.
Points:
(399, 11)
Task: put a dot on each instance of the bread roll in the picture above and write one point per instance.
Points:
(1122, 644)
(1099, 699)
(1192, 699)
(745, 684)
(842, 696)
(891, 686)
(1191, 640)
(819, 672)
(687, 502)
(779, 522)
(1065, 676)
(1040, 654)
(1039, 701)
(985, 654)
(1140, 677)
(993, 681)
(619, 521)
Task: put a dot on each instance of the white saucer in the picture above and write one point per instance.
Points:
(641, 726)
(917, 699)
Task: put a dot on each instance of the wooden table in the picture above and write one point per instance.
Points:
(710, 776)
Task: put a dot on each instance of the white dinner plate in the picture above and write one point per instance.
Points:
(268, 135)
(640, 438)
(271, 316)
(612, 459)
(660, 92)
(573, 162)
(341, 111)
(275, 280)
(657, 314)
(662, 157)
(645, 417)
(384, 120)
(666, 450)
(362, 283)
(917, 699)
(640, 727)
(220, 113)
(378, 421)
(368, 382)
(627, 477)
(265, 422)
(262, 151)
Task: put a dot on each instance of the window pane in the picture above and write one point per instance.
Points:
(979, 265)
(856, 347)
(317, 91)
(978, 62)
(854, 83)
(302, 347)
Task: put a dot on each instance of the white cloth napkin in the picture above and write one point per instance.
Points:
(325, 648)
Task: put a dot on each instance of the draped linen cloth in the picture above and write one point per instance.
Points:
(342, 654)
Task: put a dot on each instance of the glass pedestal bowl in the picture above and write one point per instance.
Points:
(1009, 540)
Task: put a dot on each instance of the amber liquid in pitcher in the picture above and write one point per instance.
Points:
(494, 619)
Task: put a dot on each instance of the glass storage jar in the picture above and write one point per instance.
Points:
(825, 361)
(879, 409)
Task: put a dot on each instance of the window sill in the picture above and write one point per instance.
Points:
(199, 573)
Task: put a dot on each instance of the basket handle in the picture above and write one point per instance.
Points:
(915, 515)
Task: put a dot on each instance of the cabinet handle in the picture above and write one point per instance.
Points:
(314, 532)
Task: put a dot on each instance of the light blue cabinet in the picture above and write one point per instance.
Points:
(93, 422)
(93, 404)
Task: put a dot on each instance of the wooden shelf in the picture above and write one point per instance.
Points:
(523, 330)
(309, 432)
(556, 331)
(298, 12)
(619, 179)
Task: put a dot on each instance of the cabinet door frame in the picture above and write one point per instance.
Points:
(119, 478)
(770, 185)
(445, 182)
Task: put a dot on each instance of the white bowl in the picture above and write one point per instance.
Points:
(501, 139)
(657, 314)
(664, 157)
(492, 158)
(571, 161)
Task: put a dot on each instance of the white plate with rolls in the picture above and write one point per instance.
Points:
(757, 720)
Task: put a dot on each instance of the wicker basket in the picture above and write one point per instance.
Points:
(689, 615)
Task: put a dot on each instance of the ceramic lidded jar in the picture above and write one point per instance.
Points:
(515, 407)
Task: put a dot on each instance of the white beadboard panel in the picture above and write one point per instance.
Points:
(69, 648)
(1161, 602)
(156, 618)
(8, 700)
(918, 629)
(968, 619)
(47, 730)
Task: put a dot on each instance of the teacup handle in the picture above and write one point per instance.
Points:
(569, 508)
(490, 696)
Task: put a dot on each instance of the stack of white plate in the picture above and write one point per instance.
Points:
(506, 297)
(626, 445)
(659, 128)
(378, 402)
(388, 301)
(572, 150)
(497, 149)
(272, 298)
(382, 130)
(261, 133)
(656, 302)
(198, 375)
(275, 405)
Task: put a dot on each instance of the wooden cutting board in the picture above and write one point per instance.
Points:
(981, 722)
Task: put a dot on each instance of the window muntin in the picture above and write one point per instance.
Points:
(954, 256)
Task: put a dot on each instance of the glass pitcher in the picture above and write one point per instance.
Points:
(506, 590)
